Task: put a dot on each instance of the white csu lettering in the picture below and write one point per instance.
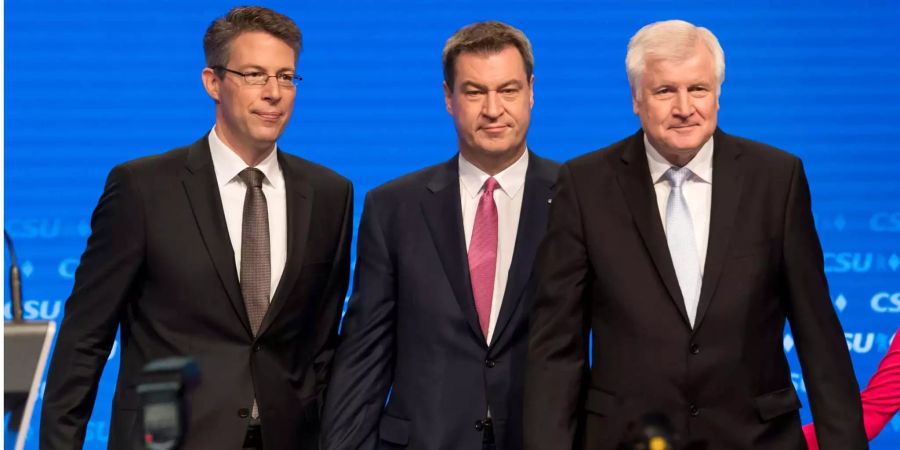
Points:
(855, 342)
(41, 309)
(884, 302)
(67, 268)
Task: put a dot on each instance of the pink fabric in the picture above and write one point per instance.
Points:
(880, 399)
(483, 254)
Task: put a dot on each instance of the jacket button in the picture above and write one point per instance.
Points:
(490, 363)
(257, 347)
(243, 413)
(479, 425)
(694, 410)
(695, 349)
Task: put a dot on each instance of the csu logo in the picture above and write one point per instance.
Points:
(856, 342)
(35, 228)
(36, 310)
(866, 342)
(67, 268)
(860, 262)
(848, 262)
(886, 302)
(47, 228)
(885, 222)
(860, 342)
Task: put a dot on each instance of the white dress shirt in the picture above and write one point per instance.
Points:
(232, 189)
(697, 190)
(508, 198)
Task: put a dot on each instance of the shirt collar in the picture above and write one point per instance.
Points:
(228, 164)
(511, 179)
(700, 165)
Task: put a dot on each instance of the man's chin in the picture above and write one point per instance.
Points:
(690, 140)
(267, 137)
(687, 144)
(498, 148)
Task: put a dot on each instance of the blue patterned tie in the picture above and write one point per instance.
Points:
(682, 245)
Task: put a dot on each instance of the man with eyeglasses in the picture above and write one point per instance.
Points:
(229, 251)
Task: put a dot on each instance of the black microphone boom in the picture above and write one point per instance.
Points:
(15, 280)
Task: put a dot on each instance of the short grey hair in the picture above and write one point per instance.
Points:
(672, 40)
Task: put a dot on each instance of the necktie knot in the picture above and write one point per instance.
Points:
(489, 185)
(253, 177)
(677, 176)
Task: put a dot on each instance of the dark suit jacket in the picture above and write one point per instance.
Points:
(412, 326)
(159, 264)
(604, 266)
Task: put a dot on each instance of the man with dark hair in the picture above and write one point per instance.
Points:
(438, 315)
(229, 251)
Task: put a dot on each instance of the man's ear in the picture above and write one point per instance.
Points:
(531, 100)
(211, 82)
(634, 103)
(447, 95)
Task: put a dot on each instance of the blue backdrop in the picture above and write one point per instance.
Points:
(93, 83)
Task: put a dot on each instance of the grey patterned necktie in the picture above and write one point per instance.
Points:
(256, 266)
(682, 243)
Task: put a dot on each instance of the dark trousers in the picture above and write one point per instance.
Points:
(253, 438)
(487, 441)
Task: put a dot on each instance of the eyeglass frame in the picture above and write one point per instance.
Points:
(295, 78)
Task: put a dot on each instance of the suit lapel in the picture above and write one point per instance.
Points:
(726, 192)
(634, 179)
(203, 194)
(539, 181)
(299, 198)
(443, 214)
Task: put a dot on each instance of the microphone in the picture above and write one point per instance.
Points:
(15, 280)
(654, 431)
(162, 387)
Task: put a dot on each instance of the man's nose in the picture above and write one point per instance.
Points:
(683, 106)
(492, 107)
(272, 90)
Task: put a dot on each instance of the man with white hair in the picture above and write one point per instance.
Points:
(680, 252)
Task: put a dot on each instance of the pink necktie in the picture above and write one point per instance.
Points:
(483, 254)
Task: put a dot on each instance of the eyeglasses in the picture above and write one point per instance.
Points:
(285, 79)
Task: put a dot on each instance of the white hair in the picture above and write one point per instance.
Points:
(671, 40)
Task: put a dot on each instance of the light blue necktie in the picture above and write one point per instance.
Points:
(682, 245)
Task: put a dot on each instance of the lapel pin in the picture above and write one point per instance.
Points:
(549, 201)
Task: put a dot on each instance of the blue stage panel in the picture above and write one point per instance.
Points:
(90, 84)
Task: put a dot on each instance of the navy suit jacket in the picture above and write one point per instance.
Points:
(412, 330)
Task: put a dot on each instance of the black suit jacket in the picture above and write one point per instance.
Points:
(605, 267)
(159, 264)
(412, 325)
